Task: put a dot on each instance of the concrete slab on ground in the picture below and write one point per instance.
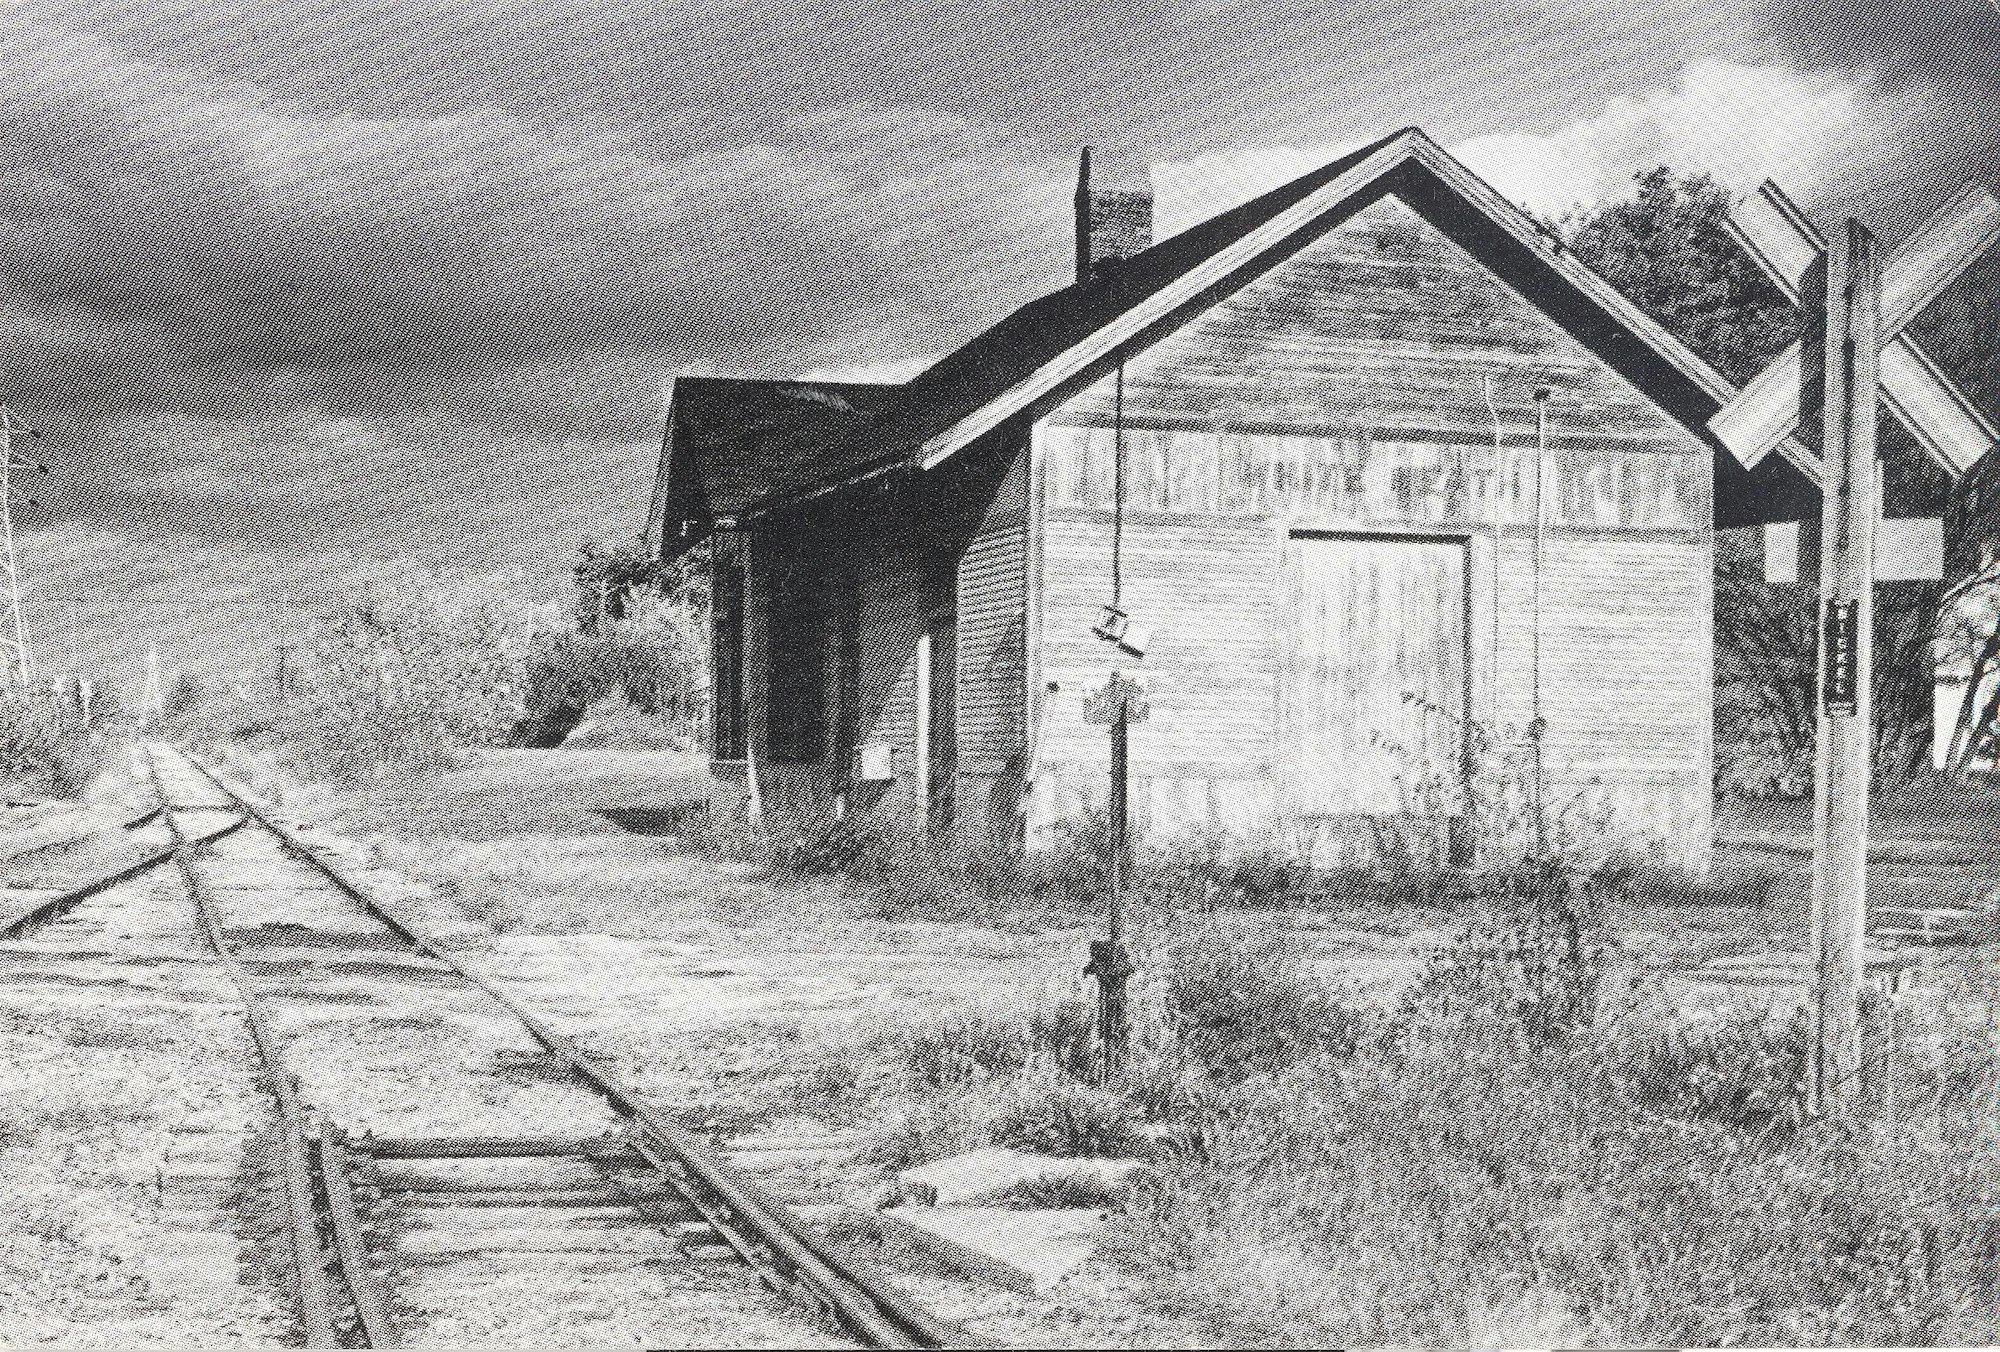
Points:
(1025, 1251)
(986, 1174)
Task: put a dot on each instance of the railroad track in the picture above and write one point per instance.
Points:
(35, 902)
(292, 924)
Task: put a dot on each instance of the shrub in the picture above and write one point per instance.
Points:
(1534, 963)
(1242, 1004)
(1052, 1115)
(44, 747)
(1744, 1069)
(649, 654)
(1447, 1185)
(993, 1042)
(407, 673)
(1061, 1191)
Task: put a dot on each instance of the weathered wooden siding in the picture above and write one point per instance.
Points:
(992, 695)
(896, 563)
(1347, 391)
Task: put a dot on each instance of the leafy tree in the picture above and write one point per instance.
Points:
(1669, 250)
(610, 577)
(640, 631)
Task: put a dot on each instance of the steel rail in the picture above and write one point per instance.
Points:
(315, 1291)
(49, 907)
(844, 1285)
(371, 1306)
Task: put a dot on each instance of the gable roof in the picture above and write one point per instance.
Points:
(1052, 345)
(732, 443)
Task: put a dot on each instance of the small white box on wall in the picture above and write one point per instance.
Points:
(874, 761)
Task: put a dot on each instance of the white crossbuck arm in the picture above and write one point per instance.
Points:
(1784, 243)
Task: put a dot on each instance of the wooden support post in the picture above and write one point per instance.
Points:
(1850, 492)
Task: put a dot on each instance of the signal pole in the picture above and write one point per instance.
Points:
(14, 638)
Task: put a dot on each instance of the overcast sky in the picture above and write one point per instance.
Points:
(277, 271)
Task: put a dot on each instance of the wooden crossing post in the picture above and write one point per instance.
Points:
(1850, 488)
(1870, 363)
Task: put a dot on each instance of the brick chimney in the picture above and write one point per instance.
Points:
(1114, 210)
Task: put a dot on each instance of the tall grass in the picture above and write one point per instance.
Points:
(1521, 1149)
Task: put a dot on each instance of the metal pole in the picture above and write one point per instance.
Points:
(1109, 962)
(7, 559)
(1536, 727)
(1850, 497)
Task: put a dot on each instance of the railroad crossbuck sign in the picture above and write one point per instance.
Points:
(1865, 360)
(1785, 245)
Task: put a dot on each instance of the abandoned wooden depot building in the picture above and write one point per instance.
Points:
(1297, 446)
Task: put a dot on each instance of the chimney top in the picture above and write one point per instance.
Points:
(1114, 209)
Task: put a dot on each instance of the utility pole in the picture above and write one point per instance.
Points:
(1118, 704)
(14, 639)
(153, 699)
(1850, 491)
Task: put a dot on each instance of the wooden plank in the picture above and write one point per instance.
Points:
(1778, 237)
(1932, 409)
(418, 1175)
(484, 1147)
(521, 1198)
(1769, 407)
(1934, 253)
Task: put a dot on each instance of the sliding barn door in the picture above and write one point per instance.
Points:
(1372, 677)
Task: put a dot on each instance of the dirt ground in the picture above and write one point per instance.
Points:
(702, 980)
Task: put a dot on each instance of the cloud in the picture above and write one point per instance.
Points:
(1188, 192)
(1739, 123)
(174, 243)
(1939, 63)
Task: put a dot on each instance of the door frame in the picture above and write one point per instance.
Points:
(1286, 582)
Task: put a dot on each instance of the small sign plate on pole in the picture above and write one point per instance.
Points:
(1843, 633)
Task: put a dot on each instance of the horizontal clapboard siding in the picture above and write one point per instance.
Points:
(992, 651)
(1381, 323)
(892, 585)
(1346, 392)
(1204, 589)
